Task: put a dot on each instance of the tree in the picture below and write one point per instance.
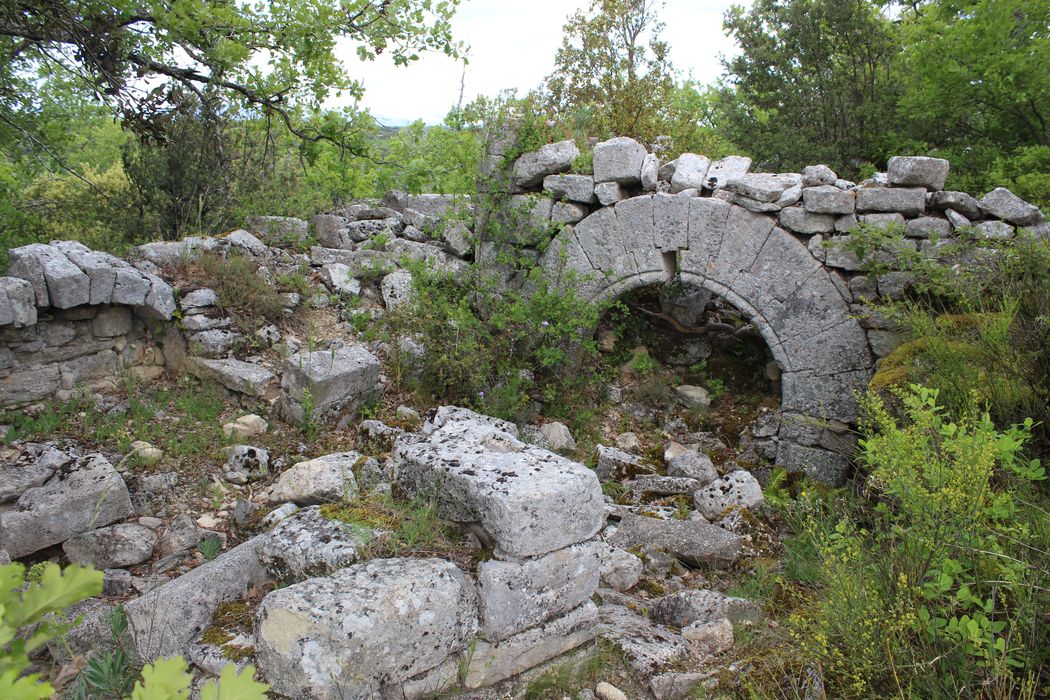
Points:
(976, 85)
(148, 58)
(612, 74)
(813, 82)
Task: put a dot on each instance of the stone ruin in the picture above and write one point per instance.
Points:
(343, 625)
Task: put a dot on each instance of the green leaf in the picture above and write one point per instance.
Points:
(165, 679)
(57, 590)
(234, 686)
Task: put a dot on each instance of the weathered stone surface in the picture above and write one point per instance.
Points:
(691, 542)
(692, 396)
(82, 495)
(690, 172)
(818, 175)
(800, 220)
(491, 663)
(615, 464)
(29, 385)
(100, 272)
(333, 231)
(340, 279)
(111, 547)
(181, 535)
(619, 160)
(620, 570)
(680, 686)
(647, 648)
(956, 201)
(909, 201)
(91, 637)
(235, 375)
(828, 199)
(655, 485)
(992, 229)
(327, 479)
(886, 221)
(608, 193)
(558, 437)
(917, 171)
(364, 627)
(692, 606)
(574, 188)
(111, 322)
(721, 171)
(1004, 204)
(67, 285)
(396, 289)
(199, 299)
(165, 620)
(531, 168)
(762, 187)
(650, 173)
(307, 544)
(516, 595)
(567, 213)
(32, 468)
(693, 465)
(18, 300)
(335, 380)
(928, 227)
(528, 500)
(822, 465)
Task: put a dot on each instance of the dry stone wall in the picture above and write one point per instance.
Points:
(71, 316)
(771, 244)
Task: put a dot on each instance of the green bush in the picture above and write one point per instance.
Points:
(934, 583)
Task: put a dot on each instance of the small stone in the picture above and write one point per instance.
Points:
(408, 414)
(609, 193)
(245, 427)
(693, 465)
(606, 691)
(711, 637)
(693, 396)
(817, 175)
(628, 442)
(739, 488)
(322, 480)
(558, 437)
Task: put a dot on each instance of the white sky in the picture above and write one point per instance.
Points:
(512, 45)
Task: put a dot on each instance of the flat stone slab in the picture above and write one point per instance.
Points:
(693, 543)
(647, 648)
(168, 618)
(79, 497)
(528, 500)
(236, 375)
(364, 627)
(307, 544)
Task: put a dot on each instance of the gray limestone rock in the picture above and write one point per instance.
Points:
(572, 188)
(693, 465)
(693, 543)
(803, 221)
(828, 199)
(396, 289)
(817, 176)
(516, 595)
(721, 171)
(619, 160)
(199, 299)
(82, 495)
(333, 231)
(18, 302)
(327, 479)
(244, 243)
(693, 396)
(111, 547)
(278, 230)
(181, 535)
(531, 169)
(609, 193)
(886, 221)
(215, 342)
(490, 663)
(928, 227)
(164, 621)
(650, 173)
(111, 321)
(567, 213)
(307, 544)
(703, 606)
(909, 201)
(360, 231)
(329, 381)
(558, 437)
(956, 201)
(235, 375)
(762, 187)
(64, 285)
(340, 279)
(528, 500)
(364, 627)
(992, 229)
(615, 464)
(620, 570)
(1004, 204)
(917, 171)
(690, 172)
(647, 648)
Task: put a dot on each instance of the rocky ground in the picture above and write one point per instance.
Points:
(275, 471)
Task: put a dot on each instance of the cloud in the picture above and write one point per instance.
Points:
(512, 45)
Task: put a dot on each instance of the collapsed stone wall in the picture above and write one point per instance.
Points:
(70, 316)
(771, 244)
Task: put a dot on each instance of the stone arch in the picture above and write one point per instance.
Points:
(800, 307)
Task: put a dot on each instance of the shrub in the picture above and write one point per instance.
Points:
(934, 583)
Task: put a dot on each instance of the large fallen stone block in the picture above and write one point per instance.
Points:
(646, 647)
(324, 383)
(1004, 204)
(100, 272)
(81, 496)
(56, 281)
(516, 595)
(909, 201)
(691, 542)
(531, 168)
(308, 544)
(364, 627)
(327, 479)
(528, 500)
(917, 171)
(491, 663)
(164, 621)
(235, 375)
(125, 544)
